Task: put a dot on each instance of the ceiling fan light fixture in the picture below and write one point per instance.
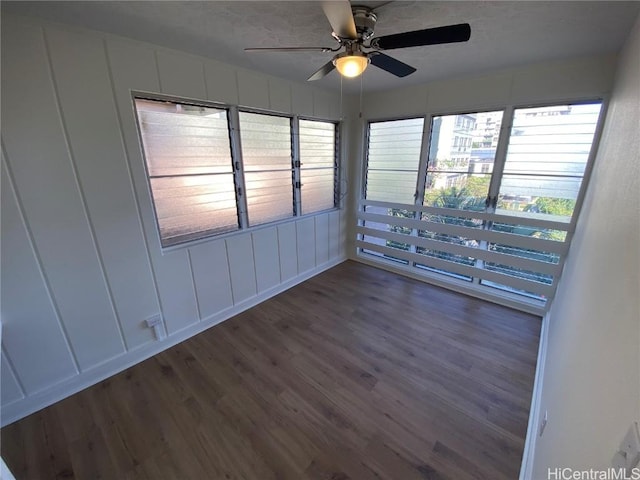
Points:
(351, 64)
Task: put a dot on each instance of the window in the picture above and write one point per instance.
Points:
(546, 160)
(268, 167)
(393, 155)
(453, 183)
(318, 167)
(188, 154)
(207, 180)
(548, 152)
(492, 207)
(393, 158)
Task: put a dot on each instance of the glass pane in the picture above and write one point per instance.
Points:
(552, 140)
(388, 186)
(181, 139)
(265, 142)
(266, 155)
(317, 191)
(462, 259)
(462, 191)
(527, 231)
(538, 255)
(519, 273)
(548, 152)
(317, 170)
(194, 206)
(444, 272)
(461, 157)
(317, 144)
(269, 196)
(552, 198)
(393, 156)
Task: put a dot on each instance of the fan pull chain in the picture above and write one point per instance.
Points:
(360, 116)
(341, 117)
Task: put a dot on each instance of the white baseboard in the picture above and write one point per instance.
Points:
(39, 400)
(526, 468)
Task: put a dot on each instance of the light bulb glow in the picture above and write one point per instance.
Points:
(351, 65)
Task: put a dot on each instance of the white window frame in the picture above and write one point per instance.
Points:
(336, 162)
(238, 167)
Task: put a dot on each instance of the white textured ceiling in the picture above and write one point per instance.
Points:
(503, 34)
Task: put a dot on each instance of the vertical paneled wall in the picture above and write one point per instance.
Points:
(82, 266)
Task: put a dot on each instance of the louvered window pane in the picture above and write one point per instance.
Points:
(318, 165)
(318, 187)
(548, 152)
(266, 156)
(393, 156)
(552, 140)
(188, 155)
(193, 207)
(269, 196)
(462, 152)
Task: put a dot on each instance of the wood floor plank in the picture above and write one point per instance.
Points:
(356, 373)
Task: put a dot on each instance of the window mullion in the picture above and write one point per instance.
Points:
(295, 154)
(337, 162)
(500, 158)
(424, 161)
(421, 181)
(496, 179)
(238, 170)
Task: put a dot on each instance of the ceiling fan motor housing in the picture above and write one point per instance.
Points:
(365, 21)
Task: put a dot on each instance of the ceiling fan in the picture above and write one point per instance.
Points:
(353, 28)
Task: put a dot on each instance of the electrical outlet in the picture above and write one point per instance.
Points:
(155, 322)
(543, 423)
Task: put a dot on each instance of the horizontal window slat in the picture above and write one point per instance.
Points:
(505, 218)
(187, 171)
(194, 221)
(473, 233)
(460, 269)
(169, 239)
(182, 120)
(474, 252)
(193, 225)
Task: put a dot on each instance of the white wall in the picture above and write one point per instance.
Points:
(82, 266)
(591, 381)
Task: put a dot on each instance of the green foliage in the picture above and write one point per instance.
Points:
(555, 206)
(471, 196)
(398, 229)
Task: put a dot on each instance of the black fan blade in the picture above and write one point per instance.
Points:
(288, 49)
(391, 65)
(429, 36)
(340, 17)
(325, 70)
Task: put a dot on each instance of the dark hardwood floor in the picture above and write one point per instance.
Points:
(355, 374)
